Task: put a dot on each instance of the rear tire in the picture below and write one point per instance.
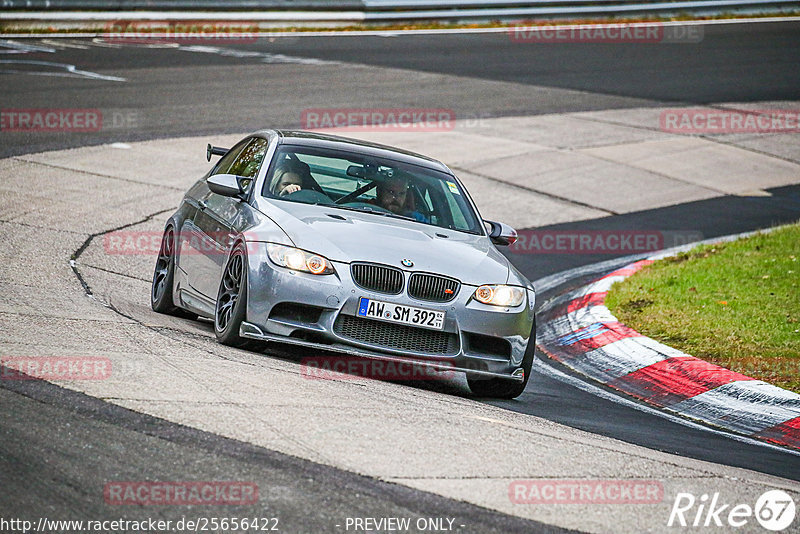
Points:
(164, 278)
(501, 388)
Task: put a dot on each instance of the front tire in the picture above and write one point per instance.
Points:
(501, 388)
(231, 306)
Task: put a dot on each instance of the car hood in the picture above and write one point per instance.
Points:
(349, 236)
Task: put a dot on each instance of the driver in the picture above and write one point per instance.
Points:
(290, 177)
(392, 194)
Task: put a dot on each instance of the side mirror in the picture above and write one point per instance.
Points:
(226, 185)
(501, 234)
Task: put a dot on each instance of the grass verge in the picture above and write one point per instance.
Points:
(734, 304)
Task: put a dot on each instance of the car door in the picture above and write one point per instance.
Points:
(219, 218)
(193, 239)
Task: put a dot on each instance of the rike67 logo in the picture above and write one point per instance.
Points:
(774, 510)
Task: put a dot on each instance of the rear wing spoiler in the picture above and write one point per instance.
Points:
(215, 151)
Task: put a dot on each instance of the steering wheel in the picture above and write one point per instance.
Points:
(308, 196)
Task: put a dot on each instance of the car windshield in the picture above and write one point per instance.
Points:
(359, 182)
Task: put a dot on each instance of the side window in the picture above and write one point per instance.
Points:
(224, 164)
(249, 160)
(244, 160)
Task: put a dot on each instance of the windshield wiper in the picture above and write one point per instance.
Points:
(395, 215)
(374, 212)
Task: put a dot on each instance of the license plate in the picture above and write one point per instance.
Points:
(397, 313)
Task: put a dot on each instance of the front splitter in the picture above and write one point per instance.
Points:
(251, 331)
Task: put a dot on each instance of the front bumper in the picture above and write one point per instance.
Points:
(480, 339)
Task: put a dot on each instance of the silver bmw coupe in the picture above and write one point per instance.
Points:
(352, 248)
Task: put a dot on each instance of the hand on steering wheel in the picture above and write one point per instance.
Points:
(291, 188)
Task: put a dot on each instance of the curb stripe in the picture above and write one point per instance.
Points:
(588, 316)
(748, 407)
(597, 335)
(614, 331)
(604, 284)
(675, 379)
(580, 331)
(591, 299)
(615, 360)
(633, 268)
(787, 433)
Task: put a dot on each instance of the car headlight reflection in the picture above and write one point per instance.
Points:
(298, 260)
(500, 295)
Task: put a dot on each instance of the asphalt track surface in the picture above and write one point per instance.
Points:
(42, 478)
(173, 92)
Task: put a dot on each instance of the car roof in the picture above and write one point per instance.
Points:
(347, 144)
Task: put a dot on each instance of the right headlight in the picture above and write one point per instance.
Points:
(299, 260)
(500, 295)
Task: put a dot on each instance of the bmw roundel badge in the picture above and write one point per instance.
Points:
(407, 262)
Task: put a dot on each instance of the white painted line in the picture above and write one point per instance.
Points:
(582, 385)
(264, 56)
(97, 41)
(13, 47)
(69, 70)
(64, 44)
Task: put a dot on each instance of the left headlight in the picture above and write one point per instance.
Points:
(500, 295)
(299, 260)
